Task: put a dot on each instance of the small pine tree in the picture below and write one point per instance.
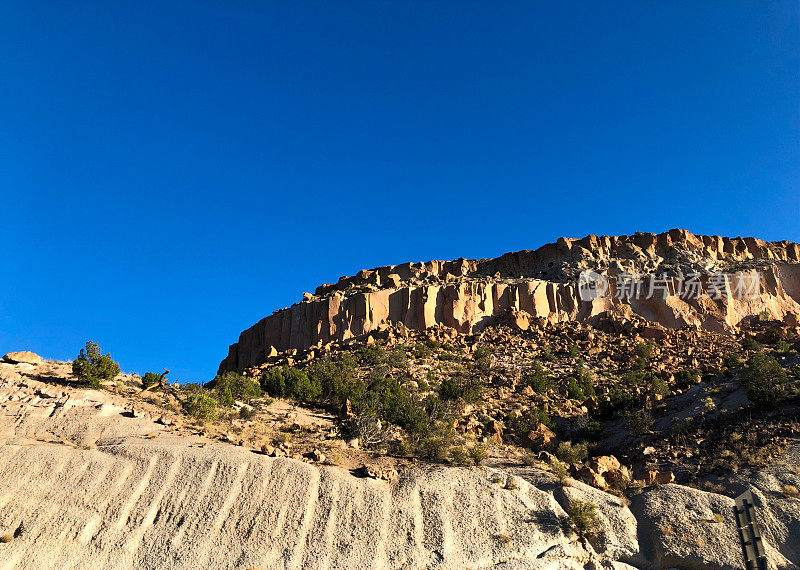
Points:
(91, 366)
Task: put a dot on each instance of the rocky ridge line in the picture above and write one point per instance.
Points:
(535, 285)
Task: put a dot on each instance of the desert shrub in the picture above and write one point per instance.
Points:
(781, 346)
(449, 357)
(643, 350)
(201, 406)
(231, 386)
(467, 389)
(287, 382)
(686, 378)
(580, 386)
(547, 355)
(366, 428)
(659, 386)
(772, 335)
(750, 343)
(679, 430)
(589, 429)
(574, 391)
(584, 517)
(539, 379)
(569, 452)
(435, 446)
(765, 380)
(477, 453)
(401, 407)
(560, 470)
(371, 355)
(337, 380)
(459, 455)
(483, 359)
(397, 358)
(522, 424)
(246, 412)
(638, 422)
(91, 366)
(618, 398)
(150, 379)
(421, 350)
(304, 388)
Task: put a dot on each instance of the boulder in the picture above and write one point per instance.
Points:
(652, 477)
(519, 320)
(591, 477)
(689, 528)
(22, 357)
(605, 463)
(540, 438)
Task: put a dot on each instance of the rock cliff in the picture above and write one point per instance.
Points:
(542, 286)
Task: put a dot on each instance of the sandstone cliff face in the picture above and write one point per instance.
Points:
(467, 295)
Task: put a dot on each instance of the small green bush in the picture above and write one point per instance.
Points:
(285, 382)
(201, 406)
(643, 350)
(231, 386)
(618, 398)
(591, 429)
(477, 453)
(584, 517)
(459, 455)
(638, 422)
(483, 359)
(150, 379)
(659, 386)
(435, 447)
(781, 346)
(528, 421)
(765, 380)
(750, 343)
(372, 355)
(464, 388)
(91, 366)
(421, 350)
(569, 452)
(580, 386)
(686, 378)
(397, 358)
(539, 379)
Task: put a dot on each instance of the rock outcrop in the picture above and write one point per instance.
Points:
(539, 286)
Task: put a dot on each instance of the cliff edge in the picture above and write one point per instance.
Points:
(674, 279)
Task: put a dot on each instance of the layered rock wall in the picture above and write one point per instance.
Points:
(466, 295)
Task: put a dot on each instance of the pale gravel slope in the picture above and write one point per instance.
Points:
(165, 505)
(94, 489)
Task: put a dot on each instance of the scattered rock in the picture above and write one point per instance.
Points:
(376, 472)
(658, 477)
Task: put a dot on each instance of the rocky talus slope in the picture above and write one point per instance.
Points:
(86, 484)
(467, 295)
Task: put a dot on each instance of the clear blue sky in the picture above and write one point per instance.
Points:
(171, 172)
